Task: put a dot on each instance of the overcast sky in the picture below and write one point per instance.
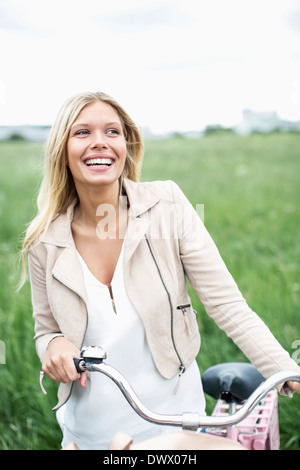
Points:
(173, 64)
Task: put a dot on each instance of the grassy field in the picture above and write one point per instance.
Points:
(250, 191)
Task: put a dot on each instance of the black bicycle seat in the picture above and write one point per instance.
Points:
(231, 381)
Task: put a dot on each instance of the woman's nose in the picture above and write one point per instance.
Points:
(98, 141)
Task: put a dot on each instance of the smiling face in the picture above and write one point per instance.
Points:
(96, 146)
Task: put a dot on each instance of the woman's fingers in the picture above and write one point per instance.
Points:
(295, 386)
(61, 368)
(58, 361)
(83, 378)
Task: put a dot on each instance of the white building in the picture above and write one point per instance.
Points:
(264, 122)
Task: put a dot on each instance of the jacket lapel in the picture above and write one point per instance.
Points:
(136, 230)
(67, 270)
(141, 199)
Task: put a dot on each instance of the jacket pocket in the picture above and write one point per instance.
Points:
(189, 317)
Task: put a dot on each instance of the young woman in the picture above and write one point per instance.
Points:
(109, 258)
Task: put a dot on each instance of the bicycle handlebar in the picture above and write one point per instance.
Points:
(190, 421)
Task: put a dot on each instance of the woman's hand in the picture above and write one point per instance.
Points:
(295, 386)
(58, 361)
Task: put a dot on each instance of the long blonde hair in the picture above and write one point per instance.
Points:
(57, 190)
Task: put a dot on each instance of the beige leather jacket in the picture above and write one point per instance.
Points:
(166, 242)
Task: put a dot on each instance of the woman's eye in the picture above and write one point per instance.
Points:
(113, 132)
(81, 132)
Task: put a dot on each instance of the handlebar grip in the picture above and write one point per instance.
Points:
(80, 365)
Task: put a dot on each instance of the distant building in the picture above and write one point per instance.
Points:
(264, 122)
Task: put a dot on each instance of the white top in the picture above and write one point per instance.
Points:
(95, 413)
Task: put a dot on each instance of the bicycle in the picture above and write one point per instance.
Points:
(245, 416)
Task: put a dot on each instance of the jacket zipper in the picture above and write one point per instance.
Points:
(181, 367)
(184, 311)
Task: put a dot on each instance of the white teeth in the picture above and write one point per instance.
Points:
(99, 161)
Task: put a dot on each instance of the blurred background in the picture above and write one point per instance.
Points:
(215, 87)
(175, 65)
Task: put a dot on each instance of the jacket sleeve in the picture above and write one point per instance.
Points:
(45, 325)
(221, 297)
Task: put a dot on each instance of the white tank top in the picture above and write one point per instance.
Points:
(94, 414)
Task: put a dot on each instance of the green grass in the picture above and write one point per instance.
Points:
(250, 191)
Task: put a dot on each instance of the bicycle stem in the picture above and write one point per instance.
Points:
(191, 421)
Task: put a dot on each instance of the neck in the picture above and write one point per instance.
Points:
(101, 207)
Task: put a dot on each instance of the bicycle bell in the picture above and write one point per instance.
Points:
(93, 353)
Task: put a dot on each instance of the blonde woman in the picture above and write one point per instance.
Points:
(108, 259)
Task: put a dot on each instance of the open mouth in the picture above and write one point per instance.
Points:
(99, 162)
